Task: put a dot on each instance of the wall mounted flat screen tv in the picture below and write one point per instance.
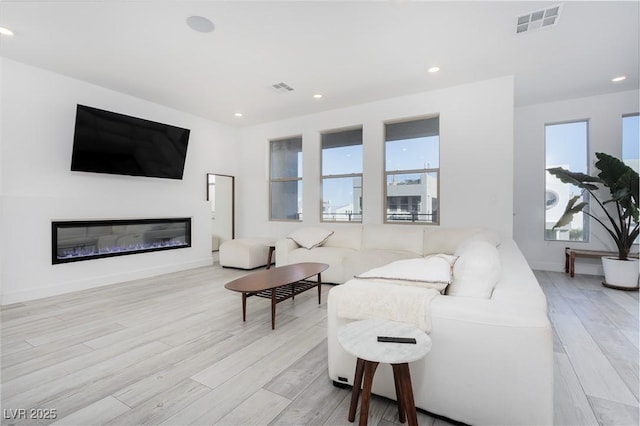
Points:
(108, 142)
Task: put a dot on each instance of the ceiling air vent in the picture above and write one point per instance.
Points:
(282, 87)
(538, 19)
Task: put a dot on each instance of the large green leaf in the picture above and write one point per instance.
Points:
(569, 212)
(578, 179)
(622, 182)
(627, 193)
(611, 170)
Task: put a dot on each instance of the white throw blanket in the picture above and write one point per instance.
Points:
(364, 299)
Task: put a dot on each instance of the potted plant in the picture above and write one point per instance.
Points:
(615, 190)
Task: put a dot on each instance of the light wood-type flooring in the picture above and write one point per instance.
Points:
(173, 350)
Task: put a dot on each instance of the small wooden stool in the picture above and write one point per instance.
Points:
(360, 339)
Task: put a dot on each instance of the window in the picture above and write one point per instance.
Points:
(566, 146)
(412, 171)
(342, 176)
(631, 143)
(631, 140)
(286, 179)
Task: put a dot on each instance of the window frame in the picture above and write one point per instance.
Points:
(625, 160)
(586, 220)
(386, 173)
(273, 180)
(633, 114)
(340, 176)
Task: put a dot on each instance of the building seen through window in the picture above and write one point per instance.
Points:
(342, 175)
(412, 171)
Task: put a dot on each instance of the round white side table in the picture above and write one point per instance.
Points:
(360, 339)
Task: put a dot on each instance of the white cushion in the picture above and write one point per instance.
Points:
(445, 240)
(476, 271)
(432, 271)
(486, 235)
(310, 237)
(364, 260)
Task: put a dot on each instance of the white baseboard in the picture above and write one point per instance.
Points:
(582, 266)
(95, 282)
(547, 266)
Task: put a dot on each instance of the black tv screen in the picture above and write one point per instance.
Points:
(108, 142)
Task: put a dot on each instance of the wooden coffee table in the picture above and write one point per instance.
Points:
(278, 284)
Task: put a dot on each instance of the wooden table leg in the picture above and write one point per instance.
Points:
(566, 259)
(273, 308)
(270, 256)
(407, 394)
(244, 306)
(399, 396)
(319, 289)
(572, 264)
(369, 371)
(355, 392)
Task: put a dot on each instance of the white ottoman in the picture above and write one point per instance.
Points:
(245, 253)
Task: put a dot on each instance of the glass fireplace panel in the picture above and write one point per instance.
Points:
(83, 240)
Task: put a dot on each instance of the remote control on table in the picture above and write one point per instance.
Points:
(397, 339)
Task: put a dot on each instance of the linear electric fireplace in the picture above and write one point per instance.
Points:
(72, 241)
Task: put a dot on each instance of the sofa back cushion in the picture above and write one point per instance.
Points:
(445, 240)
(332, 256)
(476, 271)
(346, 236)
(389, 237)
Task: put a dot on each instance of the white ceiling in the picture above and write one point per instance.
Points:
(351, 52)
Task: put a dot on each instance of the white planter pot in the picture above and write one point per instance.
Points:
(621, 274)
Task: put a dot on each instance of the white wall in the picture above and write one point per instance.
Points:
(38, 116)
(2, 216)
(476, 158)
(605, 135)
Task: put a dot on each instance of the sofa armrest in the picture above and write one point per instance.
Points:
(283, 247)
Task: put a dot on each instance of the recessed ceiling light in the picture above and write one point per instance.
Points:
(6, 31)
(200, 24)
(318, 96)
(237, 114)
(433, 69)
(617, 79)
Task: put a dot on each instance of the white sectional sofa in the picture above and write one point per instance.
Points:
(353, 249)
(492, 356)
